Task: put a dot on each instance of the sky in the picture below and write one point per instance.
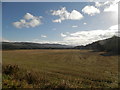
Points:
(70, 23)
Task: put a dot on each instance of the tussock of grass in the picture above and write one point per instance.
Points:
(10, 69)
(20, 78)
(14, 77)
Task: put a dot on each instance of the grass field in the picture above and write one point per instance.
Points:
(64, 68)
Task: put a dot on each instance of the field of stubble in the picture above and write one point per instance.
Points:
(59, 69)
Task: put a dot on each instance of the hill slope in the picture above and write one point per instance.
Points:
(109, 45)
(26, 45)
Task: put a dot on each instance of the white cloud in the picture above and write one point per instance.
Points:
(107, 3)
(4, 40)
(57, 21)
(65, 15)
(17, 24)
(90, 10)
(34, 22)
(111, 6)
(75, 15)
(28, 16)
(108, 6)
(43, 36)
(114, 27)
(84, 23)
(28, 21)
(63, 35)
(86, 37)
(74, 26)
(98, 4)
(50, 42)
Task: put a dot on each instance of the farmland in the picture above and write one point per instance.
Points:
(56, 68)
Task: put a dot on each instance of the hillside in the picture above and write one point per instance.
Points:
(109, 45)
(26, 45)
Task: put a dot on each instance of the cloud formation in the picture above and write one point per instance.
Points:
(84, 23)
(4, 40)
(74, 26)
(86, 37)
(65, 15)
(28, 16)
(113, 7)
(109, 6)
(90, 10)
(63, 35)
(98, 4)
(28, 21)
(43, 36)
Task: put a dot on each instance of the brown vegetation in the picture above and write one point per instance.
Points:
(59, 69)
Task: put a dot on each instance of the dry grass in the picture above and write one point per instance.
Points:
(66, 68)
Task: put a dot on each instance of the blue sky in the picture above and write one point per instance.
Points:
(47, 28)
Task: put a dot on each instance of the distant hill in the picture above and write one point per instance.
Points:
(27, 45)
(109, 45)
